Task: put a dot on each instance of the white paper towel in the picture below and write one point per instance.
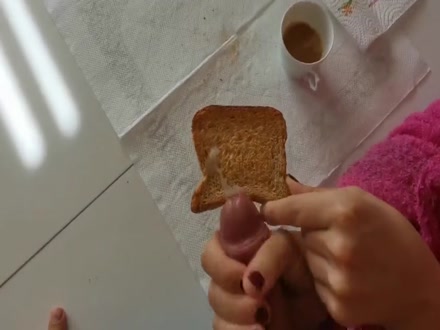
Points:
(366, 20)
(359, 90)
(133, 52)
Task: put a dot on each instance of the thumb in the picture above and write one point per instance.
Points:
(58, 320)
(306, 210)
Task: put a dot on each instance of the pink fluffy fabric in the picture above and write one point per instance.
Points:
(404, 171)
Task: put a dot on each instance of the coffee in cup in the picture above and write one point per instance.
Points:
(303, 42)
(307, 36)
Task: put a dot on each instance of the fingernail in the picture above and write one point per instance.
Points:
(262, 316)
(257, 280)
(241, 285)
(56, 315)
(292, 177)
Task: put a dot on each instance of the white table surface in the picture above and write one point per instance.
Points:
(80, 229)
(421, 24)
(116, 267)
(37, 202)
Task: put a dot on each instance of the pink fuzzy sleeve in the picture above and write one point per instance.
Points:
(404, 171)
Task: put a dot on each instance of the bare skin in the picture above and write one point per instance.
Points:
(58, 320)
(369, 264)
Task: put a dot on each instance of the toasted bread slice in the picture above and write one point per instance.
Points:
(249, 146)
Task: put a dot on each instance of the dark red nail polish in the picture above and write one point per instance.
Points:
(292, 177)
(262, 316)
(257, 280)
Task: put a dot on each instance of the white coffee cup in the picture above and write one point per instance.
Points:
(318, 18)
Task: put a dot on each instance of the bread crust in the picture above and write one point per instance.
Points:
(251, 140)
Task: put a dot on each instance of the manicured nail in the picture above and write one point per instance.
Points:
(257, 280)
(57, 314)
(292, 177)
(262, 316)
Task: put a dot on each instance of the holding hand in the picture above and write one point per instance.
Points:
(274, 291)
(369, 264)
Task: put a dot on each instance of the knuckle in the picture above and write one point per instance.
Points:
(224, 271)
(216, 324)
(344, 252)
(344, 213)
(338, 311)
(227, 278)
(285, 243)
(268, 211)
(212, 295)
(347, 208)
(206, 256)
(340, 285)
(205, 260)
(244, 312)
(354, 192)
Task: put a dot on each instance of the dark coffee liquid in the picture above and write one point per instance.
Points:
(303, 43)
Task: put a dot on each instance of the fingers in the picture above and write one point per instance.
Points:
(237, 309)
(58, 320)
(337, 308)
(226, 297)
(269, 264)
(318, 267)
(280, 257)
(324, 294)
(304, 210)
(317, 242)
(220, 324)
(224, 271)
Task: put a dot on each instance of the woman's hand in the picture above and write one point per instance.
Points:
(243, 298)
(369, 264)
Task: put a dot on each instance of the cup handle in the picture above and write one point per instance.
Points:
(312, 78)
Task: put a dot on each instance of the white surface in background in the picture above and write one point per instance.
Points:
(115, 267)
(366, 20)
(90, 160)
(61, 105)
(78, 37)
(37, 202)
(111, 262)
(18, 119)
(133, 52)
(420, 25)
(357, 92)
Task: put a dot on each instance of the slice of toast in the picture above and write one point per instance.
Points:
(248, 144)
